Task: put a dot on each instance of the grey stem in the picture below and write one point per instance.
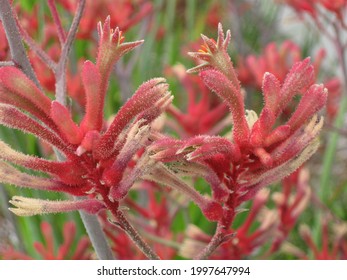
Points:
(96, 235)
(18, 53)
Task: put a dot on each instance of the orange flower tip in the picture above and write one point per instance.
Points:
(307, 60)
(121, 38)
(204, 37)
(203, 49)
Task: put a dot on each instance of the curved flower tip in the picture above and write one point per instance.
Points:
(210, 47)
(26, 206)
(214, 55)
(111, 45)
(219, 83)
(312, 101)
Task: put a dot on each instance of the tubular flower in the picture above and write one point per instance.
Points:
(98, 161)
(314, 8)
(259, 150)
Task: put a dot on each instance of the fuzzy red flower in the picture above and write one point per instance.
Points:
(259, 150)
(97, 160)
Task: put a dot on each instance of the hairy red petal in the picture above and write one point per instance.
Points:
(299, 78)
(271, 91)
(95, 101)
(62, 118)
(17, 82)
(262, 127)
(144, 98)
(11, 175)
(312, 101)
(11, 117)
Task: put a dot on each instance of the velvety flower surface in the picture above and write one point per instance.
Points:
(97, 160)
(259, 149)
